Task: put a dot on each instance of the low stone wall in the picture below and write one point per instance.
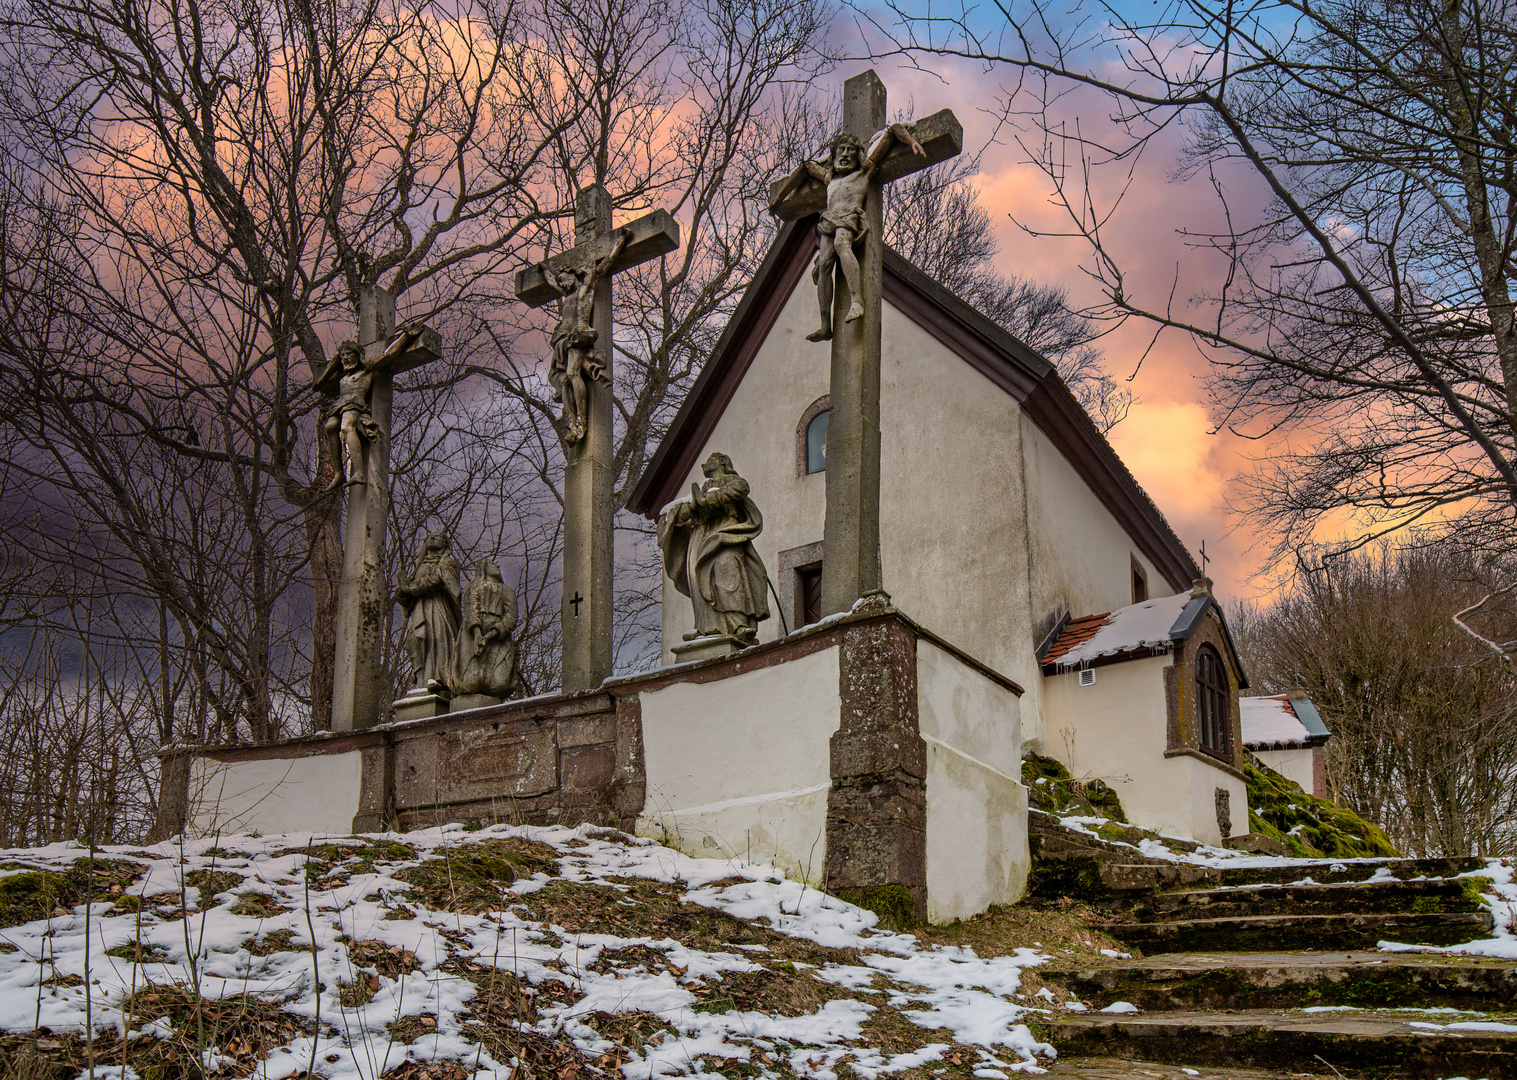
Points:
(824, 752)
(562, 759)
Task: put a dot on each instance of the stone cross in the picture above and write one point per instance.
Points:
(363, 596)
(851, 536)
(589, 467)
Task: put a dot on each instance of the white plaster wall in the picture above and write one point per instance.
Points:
(1117, 731)
(976, 805)
(1080, 561)
(1292, 764)
(743, 766)
(951, 483)
(316, 794)
(1205, 779)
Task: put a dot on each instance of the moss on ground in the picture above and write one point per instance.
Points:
(470, 878)
(1309, 827)
(893, 903)
(1063, 932)
(1050, 787)
(36, 894)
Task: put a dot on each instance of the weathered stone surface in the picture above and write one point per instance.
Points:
(517, 764)
(586, 768)
(876, 810)
(589, 468)
(585, 730)
(420, 704)
(708, 553)
(710, 647)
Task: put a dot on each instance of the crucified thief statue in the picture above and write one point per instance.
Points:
(847, 174)
(574, 338)
(351, 418)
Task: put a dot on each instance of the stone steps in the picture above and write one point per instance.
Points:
(1414, 897)
(1357, 1043)
(1273, 966)
(1281, 980)
(1256, 933)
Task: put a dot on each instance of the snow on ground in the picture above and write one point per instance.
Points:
(934, 987)
(1502, 899)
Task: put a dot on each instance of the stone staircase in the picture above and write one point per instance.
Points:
(1276, 967)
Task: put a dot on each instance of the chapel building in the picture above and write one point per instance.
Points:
(1008, 526)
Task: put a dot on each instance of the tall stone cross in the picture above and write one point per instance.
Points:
(851, 536)
(363, 378)
(580, 279)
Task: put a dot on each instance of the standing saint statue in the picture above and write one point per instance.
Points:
(708, 554)
(574, 338)
(429, 597)
(486, 651)
(847, 174)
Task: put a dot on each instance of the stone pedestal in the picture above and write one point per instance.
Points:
(707, 648)
(418, 704)
(472, 701)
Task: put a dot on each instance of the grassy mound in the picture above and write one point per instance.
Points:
(1051, 788)
(1308, 826)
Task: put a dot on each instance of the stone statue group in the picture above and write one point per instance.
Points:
(458, 639)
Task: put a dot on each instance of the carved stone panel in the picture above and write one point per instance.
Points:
(518, 763)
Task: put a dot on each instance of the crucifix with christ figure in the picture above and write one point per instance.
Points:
(581, 373)
(846, 191)
(361, 375)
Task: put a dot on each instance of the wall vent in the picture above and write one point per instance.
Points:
(1087, 677)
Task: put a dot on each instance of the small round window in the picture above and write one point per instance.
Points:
(816, 442)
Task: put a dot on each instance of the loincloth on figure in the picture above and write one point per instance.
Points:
(852, 220)
(363, 420)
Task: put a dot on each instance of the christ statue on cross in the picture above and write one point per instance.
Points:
(847, 173)
(574, 339)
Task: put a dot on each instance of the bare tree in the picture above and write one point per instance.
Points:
(200, 197)
(1359, 155)
(1424, 719)
(935, 219)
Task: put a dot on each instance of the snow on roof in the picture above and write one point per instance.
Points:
(1269, 720)
(1139, 626)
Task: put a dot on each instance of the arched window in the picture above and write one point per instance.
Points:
(1213, 695)
(811, 437)
(816, 442)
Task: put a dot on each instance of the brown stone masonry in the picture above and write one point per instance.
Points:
(877, 808)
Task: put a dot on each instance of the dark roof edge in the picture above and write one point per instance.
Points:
(1052, 637)
(1190, 618)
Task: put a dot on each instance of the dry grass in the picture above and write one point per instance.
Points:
(1063, 934)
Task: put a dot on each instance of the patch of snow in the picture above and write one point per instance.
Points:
(1115, 955)
(946, 987)
(1120, 1007)
(1502, 900)
(1138, 626)
(1270, 720)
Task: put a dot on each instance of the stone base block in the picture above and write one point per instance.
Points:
(473, 701)
(707, 648)
(419, 704)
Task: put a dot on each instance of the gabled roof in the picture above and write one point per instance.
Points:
(1150, 628)
(1029, 378)
(1279, 722)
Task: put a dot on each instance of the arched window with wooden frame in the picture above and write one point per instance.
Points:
(1213, 703)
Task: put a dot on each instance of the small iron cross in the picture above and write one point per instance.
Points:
(1205, 558)
(576, 600)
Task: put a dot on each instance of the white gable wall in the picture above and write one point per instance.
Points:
(986, 531)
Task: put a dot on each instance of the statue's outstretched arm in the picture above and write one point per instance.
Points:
(806, 170)
(895, 133)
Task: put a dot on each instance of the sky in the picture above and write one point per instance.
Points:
(1168, 440)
